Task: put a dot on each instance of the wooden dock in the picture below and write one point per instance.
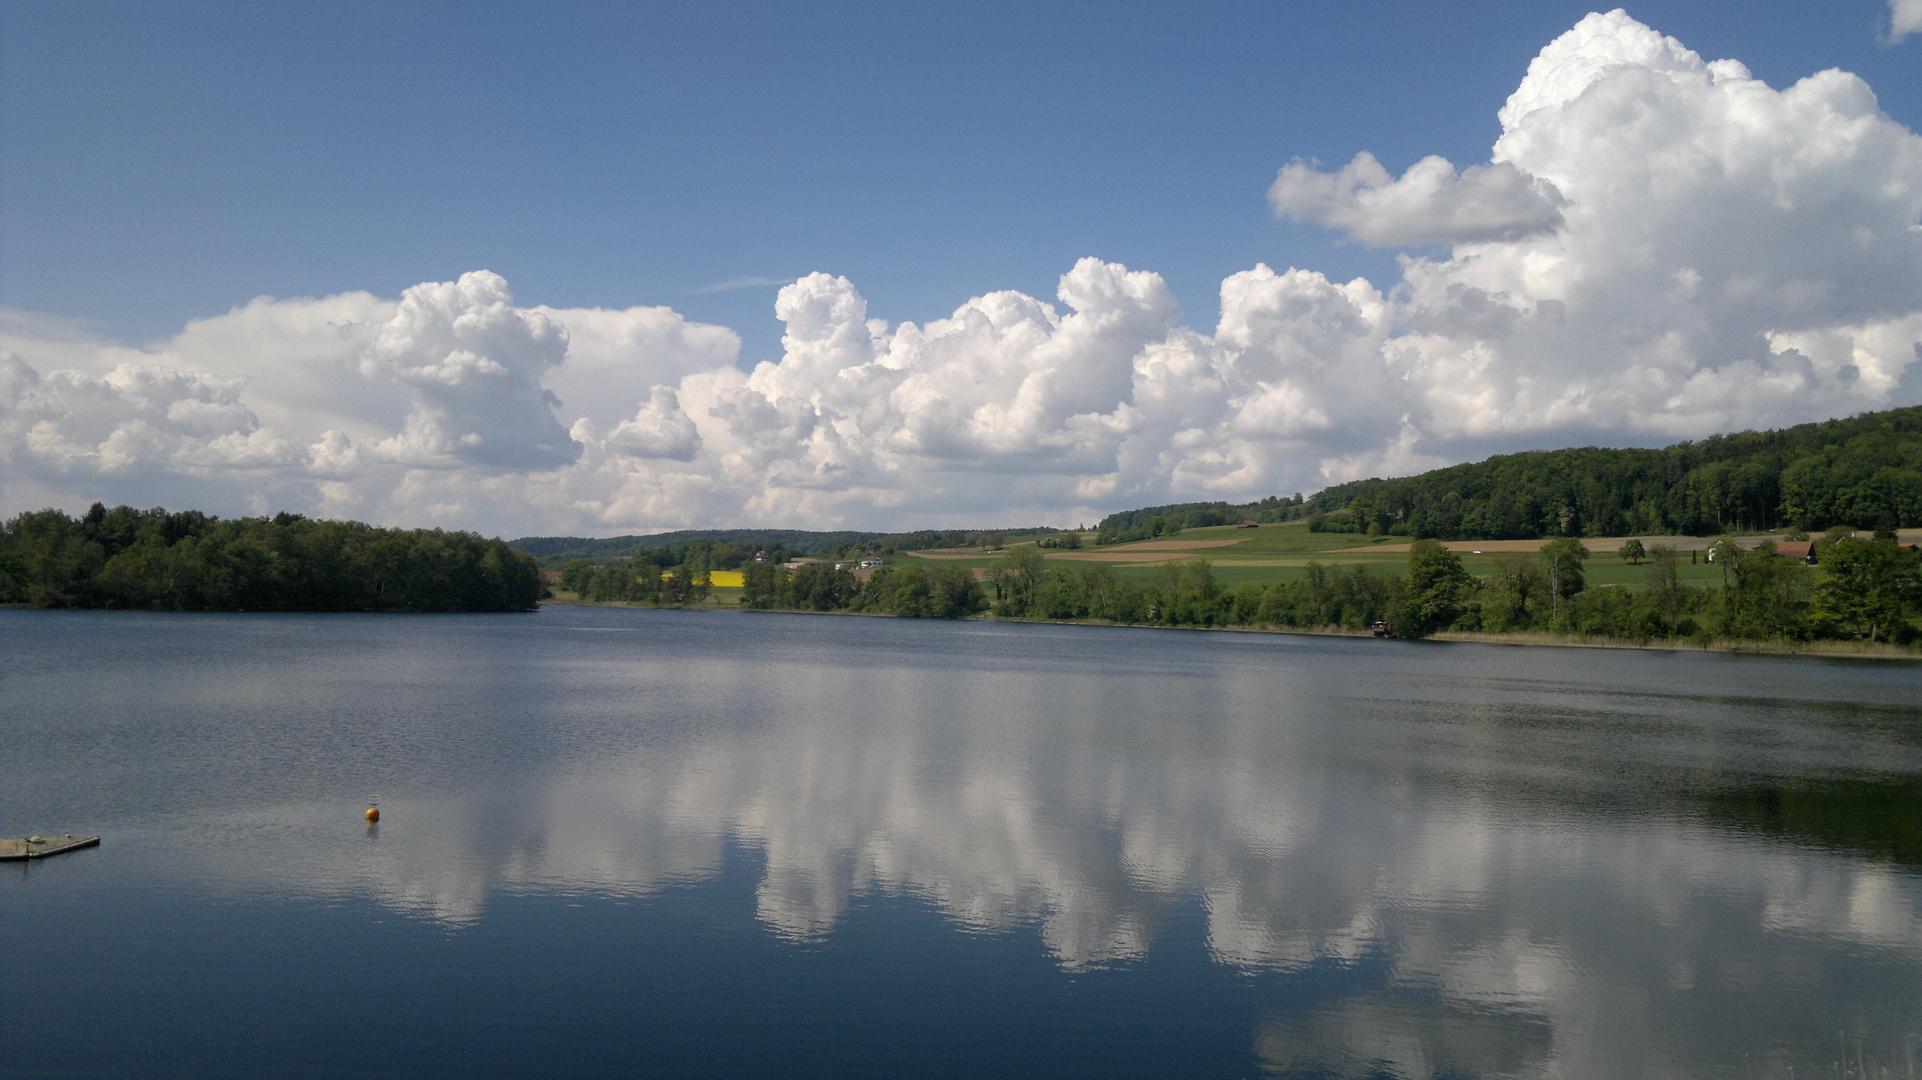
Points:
(39, 847)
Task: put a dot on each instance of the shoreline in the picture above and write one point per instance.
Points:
(1840, 650)
(1845, 650)
(1857, 650)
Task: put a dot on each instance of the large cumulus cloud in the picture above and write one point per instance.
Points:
(474, 366)
(1658, 247)
(1727, 254)
(440, 406)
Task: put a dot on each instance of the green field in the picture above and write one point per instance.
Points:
(1282, 552)
(1273, 553)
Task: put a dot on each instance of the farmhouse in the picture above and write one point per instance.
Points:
(1799, 550)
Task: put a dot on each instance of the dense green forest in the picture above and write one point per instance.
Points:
(190, 561)
(1863, 472)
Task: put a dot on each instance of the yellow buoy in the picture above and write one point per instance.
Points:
(373, 814)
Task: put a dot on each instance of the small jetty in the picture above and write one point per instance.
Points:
(39, 847)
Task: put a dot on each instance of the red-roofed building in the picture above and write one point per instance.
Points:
(1799, 550)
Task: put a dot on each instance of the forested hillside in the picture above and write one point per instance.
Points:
(797, 541)
(189, 561)
(725, 549)
(1863, 472)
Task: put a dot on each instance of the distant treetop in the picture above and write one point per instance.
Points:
(1863, 472)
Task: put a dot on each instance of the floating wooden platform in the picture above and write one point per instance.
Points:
(39, 847)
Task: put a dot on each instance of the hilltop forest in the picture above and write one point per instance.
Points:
(1863, 472)
(727, 549)
(190, 561)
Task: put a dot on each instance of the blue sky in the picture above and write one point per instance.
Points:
(167, 162)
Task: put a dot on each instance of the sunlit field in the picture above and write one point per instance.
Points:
(1282, 551)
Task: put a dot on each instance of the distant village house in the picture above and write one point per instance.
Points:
(1799, 550)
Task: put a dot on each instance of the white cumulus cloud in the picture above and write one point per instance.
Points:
(658, 430)
(1706, 215)
(1905, 18)
(616, 356)
(1430, 203)
(1658, 247)
(474, 365)
(138, 419)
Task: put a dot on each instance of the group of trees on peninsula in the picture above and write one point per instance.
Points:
(190, 561)
(1863, 472)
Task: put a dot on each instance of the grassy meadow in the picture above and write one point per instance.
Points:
(1282, 551)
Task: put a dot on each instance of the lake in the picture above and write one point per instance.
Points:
(662, 843)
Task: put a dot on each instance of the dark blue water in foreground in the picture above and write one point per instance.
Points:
(634, 843)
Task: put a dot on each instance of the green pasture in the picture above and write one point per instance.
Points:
(1282, 552)
(1611, 570)
(1283, 539)
(1599, 570)
(906, 559)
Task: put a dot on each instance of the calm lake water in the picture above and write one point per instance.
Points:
(697, 844)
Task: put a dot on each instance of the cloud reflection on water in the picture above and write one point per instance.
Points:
(1516, 868)
(1513, 934)
(1094, 822)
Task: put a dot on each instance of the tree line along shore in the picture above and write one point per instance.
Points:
(1859, 589)
(190, 561)
(1846, 588)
